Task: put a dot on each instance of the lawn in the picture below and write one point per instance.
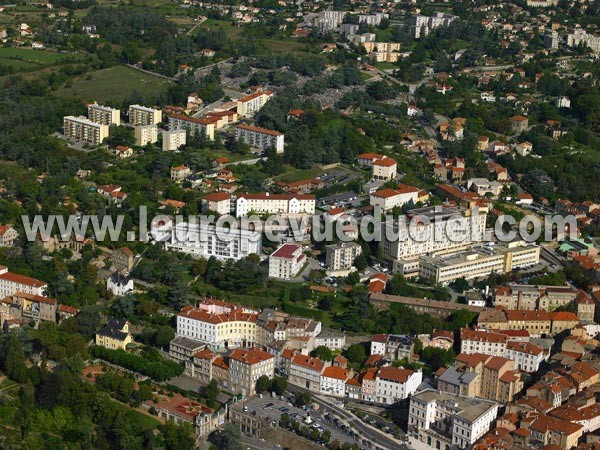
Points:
(225, 25)
(143, 421)
(284, 45)
(293, 174)
(29, 59)
(114, 84)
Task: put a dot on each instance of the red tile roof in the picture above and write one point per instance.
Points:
(286, 251)
(250, 356)
(310, 363)
(22, 279)
(335, 372)
(259, 130)
(396, 374)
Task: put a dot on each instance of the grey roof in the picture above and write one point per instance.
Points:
(465, 408)
(187, 343)
(113, 329)
(120, 279)
(452, 376)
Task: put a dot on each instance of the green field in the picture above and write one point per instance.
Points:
(114, 84)
(293, 174)
(29, 59)
(284, 45)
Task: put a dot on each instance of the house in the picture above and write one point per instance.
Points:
(122, 151)
(333, 381)
(123, 259)
(286, 262)
(385, 169)
(219, 202)
(8, 235)
(179, 173)
(519, 123)
(524, 148)
(524, 198)
(393, 384)
(483, 143)
(412, 110)
(119, 284)
(305, 372)
(115, 335)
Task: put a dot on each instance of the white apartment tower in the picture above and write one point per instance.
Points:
(103, 114)
(84, 130)
(142, 115)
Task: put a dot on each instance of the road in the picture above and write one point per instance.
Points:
(370, 437)
(133, 66)
(200, 22)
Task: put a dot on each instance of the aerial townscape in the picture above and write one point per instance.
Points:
(265, 224)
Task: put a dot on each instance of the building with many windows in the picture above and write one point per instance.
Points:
(202, 126)
(103, 114)
(393, 384)
(115, 335)
(145, 134)
(286, 261)
(246, 366)
(82, 129)
(439, 420)
(142, 115)
(173, 139)
(341, 256)
(247, 106)
(203, 240)
(267, 203)
(11, 283)
(260, 138)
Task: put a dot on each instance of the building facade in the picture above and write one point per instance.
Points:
(82, 129)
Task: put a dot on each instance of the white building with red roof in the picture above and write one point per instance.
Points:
(8, 236)
(220, 202)
(388, 199)
(333, 381)
(393, 384)
(286, 262)
(305, 371)
(267, 203)
(11, 283)
(385, 169)
(260, 138)
(247, 106)
(246, 366)
(527, 356)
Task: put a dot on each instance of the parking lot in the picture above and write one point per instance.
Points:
(273, 408)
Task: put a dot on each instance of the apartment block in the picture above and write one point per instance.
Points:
(173, 139)
(486, 342)
(393, 384)
(305, 372)
(82, 129)
(145, 134)
(385, 169)
(286, 262)
(142, 115)
(249, 105)
(333, 381)
(267, 203)
(341, 256)
(202, 126)
(103, 114)
(260, 138)
(530, 297)
(220, 202)
(203, 240)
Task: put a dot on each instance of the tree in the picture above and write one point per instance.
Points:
(211, 392)
(356, 354)
(353, 278)
(303, 398)
(14, 360)
(323, 353)
(230, 438)
(460, 285)
(163, 336)
(121, 135)
(360, 262)
(263, 384)
(279, 385)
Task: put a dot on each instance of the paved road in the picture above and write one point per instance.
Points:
(370, 437)
(200, 22)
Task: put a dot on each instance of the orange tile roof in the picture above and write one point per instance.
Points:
(22, 279)
(250, 356)
(335, 372)
(308, 362)
(259, 130)
(396, 374)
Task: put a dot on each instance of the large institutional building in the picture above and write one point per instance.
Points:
(267, 203)
(173, 139)
(249, 105)
(204, 126)
(84, 130)
(202, 240)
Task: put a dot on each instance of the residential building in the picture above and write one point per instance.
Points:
(114, 335)
(145, 134)
(203, 240)
(123, 152)
(580, 36)
(219, 202)
(422, 25)
(486, 342)
(393, 384)
(84, 130)
(123, 259)
(34, 307)
(524, 296)
(246, 366)
(103, 114)
(180, 173)
(286, 262)
(341, 256)
(173, 139)
(260, 138)
(368, 159)
(441, 420)
(333, 381)
(527, 356)
(330, 339)
(119, 284)
(141, 115)
(519, 123)
(267, 203)
(329, 21)
(11, 283)
(8, 236)
(388, 199)
(305, 372)
(203, 126)
(249, 105)
(549, 431)
(385, 169)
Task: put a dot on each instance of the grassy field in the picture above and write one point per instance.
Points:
(225, 25)
(29, 59)
(284, 45)
(114, 84)
(293, 174)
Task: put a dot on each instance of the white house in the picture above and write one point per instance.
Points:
(119, 284)
(286, 261)
(527, 356)
(393, 384)
(333, 381)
